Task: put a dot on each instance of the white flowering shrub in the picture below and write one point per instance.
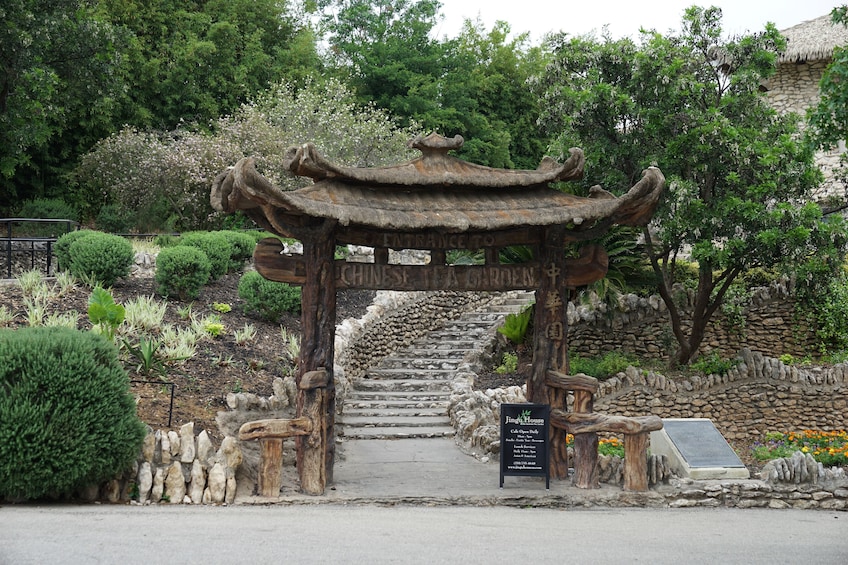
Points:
(165, 178)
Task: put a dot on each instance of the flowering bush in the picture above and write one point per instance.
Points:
(166, 177)
(828, 448)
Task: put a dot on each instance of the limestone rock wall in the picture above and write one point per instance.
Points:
(640, 326)
(759, 395)
(179, 468)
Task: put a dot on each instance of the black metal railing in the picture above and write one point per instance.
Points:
(33, 237)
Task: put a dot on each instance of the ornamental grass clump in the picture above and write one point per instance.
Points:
(67, 417)
(828, 448)
(144, 315)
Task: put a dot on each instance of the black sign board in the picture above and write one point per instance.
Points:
(524, 441)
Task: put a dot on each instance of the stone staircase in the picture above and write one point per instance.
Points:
(406, 394)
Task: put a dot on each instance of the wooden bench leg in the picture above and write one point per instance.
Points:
(586, 461)
(270, 479)
(636, 462)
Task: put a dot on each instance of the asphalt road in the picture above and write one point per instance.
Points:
(331, 533)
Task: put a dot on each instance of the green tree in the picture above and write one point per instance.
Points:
(384, 49)
(485, 96)
(195, 61)
(739, 185)
(58, 85)
(474, 85)
(828, 120)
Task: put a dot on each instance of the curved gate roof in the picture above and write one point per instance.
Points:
(435, 191)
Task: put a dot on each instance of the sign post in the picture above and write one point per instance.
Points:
(524, 441)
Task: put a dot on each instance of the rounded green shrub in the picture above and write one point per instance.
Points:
(217, 249)
(102, 256)
(67, 418)
(241, 248)
(181, 271)
(166, 240)
(62, 247)
(45, 208)
(266, 298)
(48, 208)
(114, 219)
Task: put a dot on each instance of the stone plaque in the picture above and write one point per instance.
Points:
(697, 449)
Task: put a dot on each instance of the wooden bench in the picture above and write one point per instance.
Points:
(585, 424)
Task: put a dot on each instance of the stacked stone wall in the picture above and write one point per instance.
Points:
(640, 326)
(179, 468)
(759, 395)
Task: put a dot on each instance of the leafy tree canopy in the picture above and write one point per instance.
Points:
(74, 71)
(58, 84)
(192, 62)
(739, 180)
(829, 118)
(474, 85)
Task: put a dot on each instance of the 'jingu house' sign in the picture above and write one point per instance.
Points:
(524, 441)
(435, 203)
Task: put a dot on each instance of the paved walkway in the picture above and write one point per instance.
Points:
(395, 440)
(434, 471)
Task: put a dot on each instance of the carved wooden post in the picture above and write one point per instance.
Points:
(318, 325)
(270, 434)
(636, 462)
(312, 464)
(270, 478)
(585, 445)
(549, 344)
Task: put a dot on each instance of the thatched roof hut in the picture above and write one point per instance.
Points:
(813, 40)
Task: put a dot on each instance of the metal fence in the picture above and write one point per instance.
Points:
(27, 244)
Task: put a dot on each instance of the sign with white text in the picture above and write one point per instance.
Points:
(524, 441)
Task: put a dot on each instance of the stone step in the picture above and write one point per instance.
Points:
(418, 364)
(400, 373)
(479, 317)
(376, 411)
(398, 432)
(361, 405)
(414, 396)
(394, 422)
(402, 385)
(460, 339)
(435, 349)
(470, 325)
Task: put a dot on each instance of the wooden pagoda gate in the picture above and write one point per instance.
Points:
(436, 203)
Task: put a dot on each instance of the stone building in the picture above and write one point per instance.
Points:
(795, 85)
